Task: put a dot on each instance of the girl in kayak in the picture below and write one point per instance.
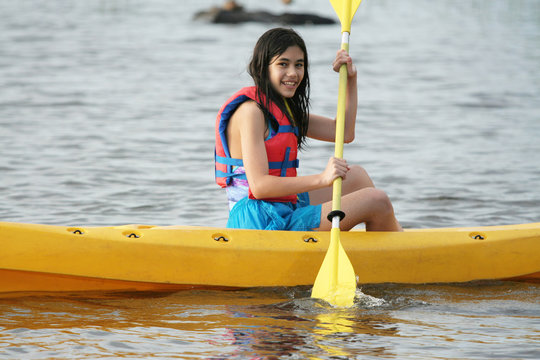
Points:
(258, 133)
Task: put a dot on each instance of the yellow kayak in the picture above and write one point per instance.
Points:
(170, 258)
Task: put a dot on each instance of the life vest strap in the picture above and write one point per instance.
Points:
(271, 164)
(287, 129)
(230, 175)
(229, 161)
(284, 163)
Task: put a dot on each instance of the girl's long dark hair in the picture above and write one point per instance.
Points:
(273, 43)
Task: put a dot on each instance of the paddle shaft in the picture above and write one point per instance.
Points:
(338, 152)
(336, 280)
(340, 127)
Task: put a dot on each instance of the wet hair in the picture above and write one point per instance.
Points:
(273, 43)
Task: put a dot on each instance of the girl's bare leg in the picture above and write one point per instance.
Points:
(361, 202)
(357, 178)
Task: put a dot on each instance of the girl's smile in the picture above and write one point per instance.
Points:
(286, 71)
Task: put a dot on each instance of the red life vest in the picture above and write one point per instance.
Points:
(281, 146)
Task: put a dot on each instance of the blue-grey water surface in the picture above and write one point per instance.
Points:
(107, 111)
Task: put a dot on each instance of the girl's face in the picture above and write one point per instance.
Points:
(286, 71)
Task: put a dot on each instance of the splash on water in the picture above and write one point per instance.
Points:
(367, 301)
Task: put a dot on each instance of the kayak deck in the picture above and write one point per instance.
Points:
(172, 258)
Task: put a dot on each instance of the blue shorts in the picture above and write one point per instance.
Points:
(266, 215)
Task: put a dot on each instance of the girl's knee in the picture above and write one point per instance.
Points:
(357, 178)
(357, 171)
(382, 212)
(370, 206)
(380, 201)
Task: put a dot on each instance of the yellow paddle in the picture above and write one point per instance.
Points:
(336, 281)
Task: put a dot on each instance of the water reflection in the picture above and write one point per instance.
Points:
(335, 328)
(315, 329)
(270, 323)
(263, 343)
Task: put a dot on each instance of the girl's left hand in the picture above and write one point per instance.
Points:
(342, 57)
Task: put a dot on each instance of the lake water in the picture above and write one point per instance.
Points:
(107, 113)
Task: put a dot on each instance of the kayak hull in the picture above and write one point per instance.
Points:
(172, 258)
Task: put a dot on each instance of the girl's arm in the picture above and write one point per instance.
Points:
(248, 121)
(324, 128)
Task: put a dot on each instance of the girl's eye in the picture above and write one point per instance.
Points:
(300, 65)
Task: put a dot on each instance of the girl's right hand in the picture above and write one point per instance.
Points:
(335, 168)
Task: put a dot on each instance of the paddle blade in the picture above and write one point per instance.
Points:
(336, 281)
(345, 10)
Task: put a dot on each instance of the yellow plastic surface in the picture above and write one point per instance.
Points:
(191, 256)
(345, 9)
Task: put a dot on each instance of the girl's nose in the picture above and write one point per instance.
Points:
(291, 71)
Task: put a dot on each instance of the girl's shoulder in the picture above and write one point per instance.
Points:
(248, 108)
(248, 119)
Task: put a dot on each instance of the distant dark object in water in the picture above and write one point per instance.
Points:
(237, 16)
